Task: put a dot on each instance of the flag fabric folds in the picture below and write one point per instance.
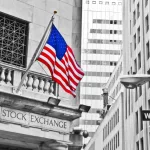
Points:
(61, 62)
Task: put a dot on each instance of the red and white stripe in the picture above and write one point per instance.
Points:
(66, 71)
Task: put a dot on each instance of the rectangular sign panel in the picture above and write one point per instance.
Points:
(33, 120)
(146, 115)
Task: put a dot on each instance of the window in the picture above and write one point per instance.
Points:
(130, 27)
(134, 38)
(138, 32)
(138, 10)
(148, 72)
(142, 144)
(126, 104)
(115, 21)
(131, 70)
(129, 102)
(140, 91)
(111, 21)
(139, 60)
(130, 5)
(114, 142)
(147, 50)
(147, 23)
(94, 21)
(113, 3)
(87, 2)
(146, 2)
(141, 122)
(93, 2)
(116, 117)
(136, 94)
(13, 43)
(110, 31)
(137, 145)
(134, 18)
(118, 114)
(118, 139)
(108, 128)
(136, 122)
(135, 66)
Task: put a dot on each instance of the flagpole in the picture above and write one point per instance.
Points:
(37, 51)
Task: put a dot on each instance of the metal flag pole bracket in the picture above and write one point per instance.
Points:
(37, 51)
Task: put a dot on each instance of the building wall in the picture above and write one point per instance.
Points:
(38, 13)
(135, 135)
(101, 49)
(136, 59)
(110, 133)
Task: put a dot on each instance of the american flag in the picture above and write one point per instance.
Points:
(61, 62)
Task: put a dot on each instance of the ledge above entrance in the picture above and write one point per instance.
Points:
(18, 102)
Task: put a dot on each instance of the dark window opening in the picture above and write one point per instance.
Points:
(13, 40)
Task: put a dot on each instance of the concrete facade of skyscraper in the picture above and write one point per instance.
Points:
(135, 133)
(136, 54)
(110, 134)
(101, 49)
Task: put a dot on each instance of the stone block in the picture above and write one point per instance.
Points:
(77, 3)
(77, 13)
(65, 26)
(64, 95)
(77, 53)
(36, 3)
(70, 2)
(68, 39)
(52, 5)
(41, 17)
(65, 10)
(17, 78)
(17, 9)
(76, 26)
(76, 40)
(36, 32)
(32, 45)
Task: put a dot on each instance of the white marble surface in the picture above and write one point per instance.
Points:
(38, 14)
(17, 9)
(41, 17)
(37, 3)
(36, 32)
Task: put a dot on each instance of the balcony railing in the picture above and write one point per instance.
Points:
(10, 77)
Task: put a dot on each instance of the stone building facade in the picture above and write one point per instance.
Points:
(27, 121)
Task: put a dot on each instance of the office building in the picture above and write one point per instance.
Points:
(110, 134)
(101, 49)
(136, 61)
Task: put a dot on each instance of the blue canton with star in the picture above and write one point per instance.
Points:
(57, 42)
